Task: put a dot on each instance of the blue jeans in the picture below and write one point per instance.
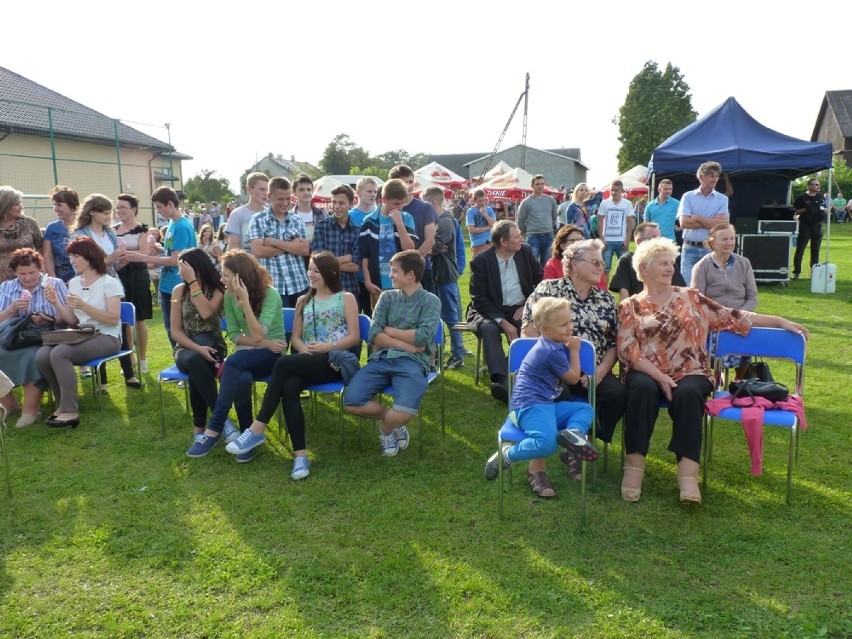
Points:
(541, 245)
(612, 247)
(542, 421)
(166, 306)
(451, 314)
(689, 258)
(403, 374)
(241, 369)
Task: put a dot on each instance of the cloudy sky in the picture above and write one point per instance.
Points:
(246, 79)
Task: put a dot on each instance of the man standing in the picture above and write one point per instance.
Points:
(236, 228)
(279, 242)
(809, 213)
(662, 210)
(179, 237)
(700, 210)
(425, 221)
(367, 190)
(616, 220)
(339, 235)
(537, 219)
(303, 187)
(501, 279)
(215, 215)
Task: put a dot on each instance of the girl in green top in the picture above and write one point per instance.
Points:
(256, 326)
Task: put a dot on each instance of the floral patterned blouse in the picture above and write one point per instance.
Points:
(673, 336)
(595, 318)
(324, 320)
(24, 233)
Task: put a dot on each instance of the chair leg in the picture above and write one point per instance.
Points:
(583, 472)
(3, 451)
(500, 476)
(478, 360)
(162, 408)
(790, 461)
(340, 411)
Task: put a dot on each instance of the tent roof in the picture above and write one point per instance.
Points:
(730, 136)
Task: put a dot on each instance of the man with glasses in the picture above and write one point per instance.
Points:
(809, 212)
(625, 282)
(700, 210)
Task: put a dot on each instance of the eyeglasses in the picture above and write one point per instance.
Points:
(597, 263)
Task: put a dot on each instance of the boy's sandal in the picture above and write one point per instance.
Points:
(540, 485)
(573, 467)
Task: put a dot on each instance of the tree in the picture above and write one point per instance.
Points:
(658, 104)
(341, 154)
(206, 187)
(840, 181)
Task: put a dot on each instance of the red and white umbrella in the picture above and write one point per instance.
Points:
(501, 168)
(421, 184)
(514, 185)
(440, 175)
(322, 191)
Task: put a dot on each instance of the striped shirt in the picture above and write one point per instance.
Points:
(12, 290)
(289, 275)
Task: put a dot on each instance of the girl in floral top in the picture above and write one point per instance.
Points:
(662, 341)
(326, 320)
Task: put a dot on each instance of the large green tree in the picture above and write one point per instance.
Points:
(840, 181)
(207, 187)
(658, 104)
(341, 155)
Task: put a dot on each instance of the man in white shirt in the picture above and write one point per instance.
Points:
(616, 220)
(237, 227)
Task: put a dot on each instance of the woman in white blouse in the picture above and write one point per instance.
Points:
(95, 298)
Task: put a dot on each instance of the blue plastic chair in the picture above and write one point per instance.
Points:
(508, 432)
(339, 388)
(773, 343)
(128, 316)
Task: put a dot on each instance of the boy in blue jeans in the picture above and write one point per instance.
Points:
(555, 357)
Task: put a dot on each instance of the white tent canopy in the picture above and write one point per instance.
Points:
(440, 175)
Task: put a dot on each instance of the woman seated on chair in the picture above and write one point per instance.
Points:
(196, 328)
(662, 346)
(95, 298)
(727, 278)
(255, 324)
(25, 295)
(326, 320)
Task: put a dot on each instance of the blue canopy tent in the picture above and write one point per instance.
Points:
(760, 162)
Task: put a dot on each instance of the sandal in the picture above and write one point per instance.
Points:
(632, 473)
(540, 485)
(689, 491)
(573, 468)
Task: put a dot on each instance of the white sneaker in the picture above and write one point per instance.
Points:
(143, 366)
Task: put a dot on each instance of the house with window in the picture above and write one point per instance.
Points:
(834, 123)
(277, 166)
(48, 139)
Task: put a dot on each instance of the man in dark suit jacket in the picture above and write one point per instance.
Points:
(501, 279)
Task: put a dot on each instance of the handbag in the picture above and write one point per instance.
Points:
(751, 388)
(758, 370)
(70, 335)
(21, 332)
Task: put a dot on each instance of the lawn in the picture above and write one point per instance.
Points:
(113, 532)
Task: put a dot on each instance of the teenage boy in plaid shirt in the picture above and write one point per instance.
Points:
(280, 243)
(338, 235)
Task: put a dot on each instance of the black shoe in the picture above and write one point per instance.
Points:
(574, 441)
(133, 383)
(58, 423)
(500, 392)
(453, 363)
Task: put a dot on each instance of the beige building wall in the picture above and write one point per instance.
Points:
(26, 164)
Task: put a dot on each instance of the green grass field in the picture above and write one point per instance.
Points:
(113, 532)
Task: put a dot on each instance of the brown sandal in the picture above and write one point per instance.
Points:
(540, 485)
(572, 465)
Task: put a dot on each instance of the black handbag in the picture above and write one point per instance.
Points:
(22, 332)
(751, 388)
(758, 370)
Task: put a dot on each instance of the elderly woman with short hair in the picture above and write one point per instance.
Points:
(662, 347)
(16, 229)
(595, 318)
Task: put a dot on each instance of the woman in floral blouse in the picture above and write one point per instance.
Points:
(595, 318)
(662, 347)
(16, 229)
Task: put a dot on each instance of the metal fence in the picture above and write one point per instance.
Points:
(42, 146)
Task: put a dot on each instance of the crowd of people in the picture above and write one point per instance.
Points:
(397, 259)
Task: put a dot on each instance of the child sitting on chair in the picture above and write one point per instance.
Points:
(555, 356)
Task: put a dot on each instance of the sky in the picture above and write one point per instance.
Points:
(236, 81)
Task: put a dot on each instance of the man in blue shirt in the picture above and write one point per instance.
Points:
(425, 221)
(662, 210)
(699, 211)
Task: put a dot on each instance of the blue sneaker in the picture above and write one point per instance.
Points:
(388, 443)
(230, 431)
(301, 467)
(202, 446)
(245, 457)
(245, 442)
(401, 435)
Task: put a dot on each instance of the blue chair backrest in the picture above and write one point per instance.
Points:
(289, 316)
(364, 327)
(128, 313)
(519, 348)
(763, 342)
(439, 334)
